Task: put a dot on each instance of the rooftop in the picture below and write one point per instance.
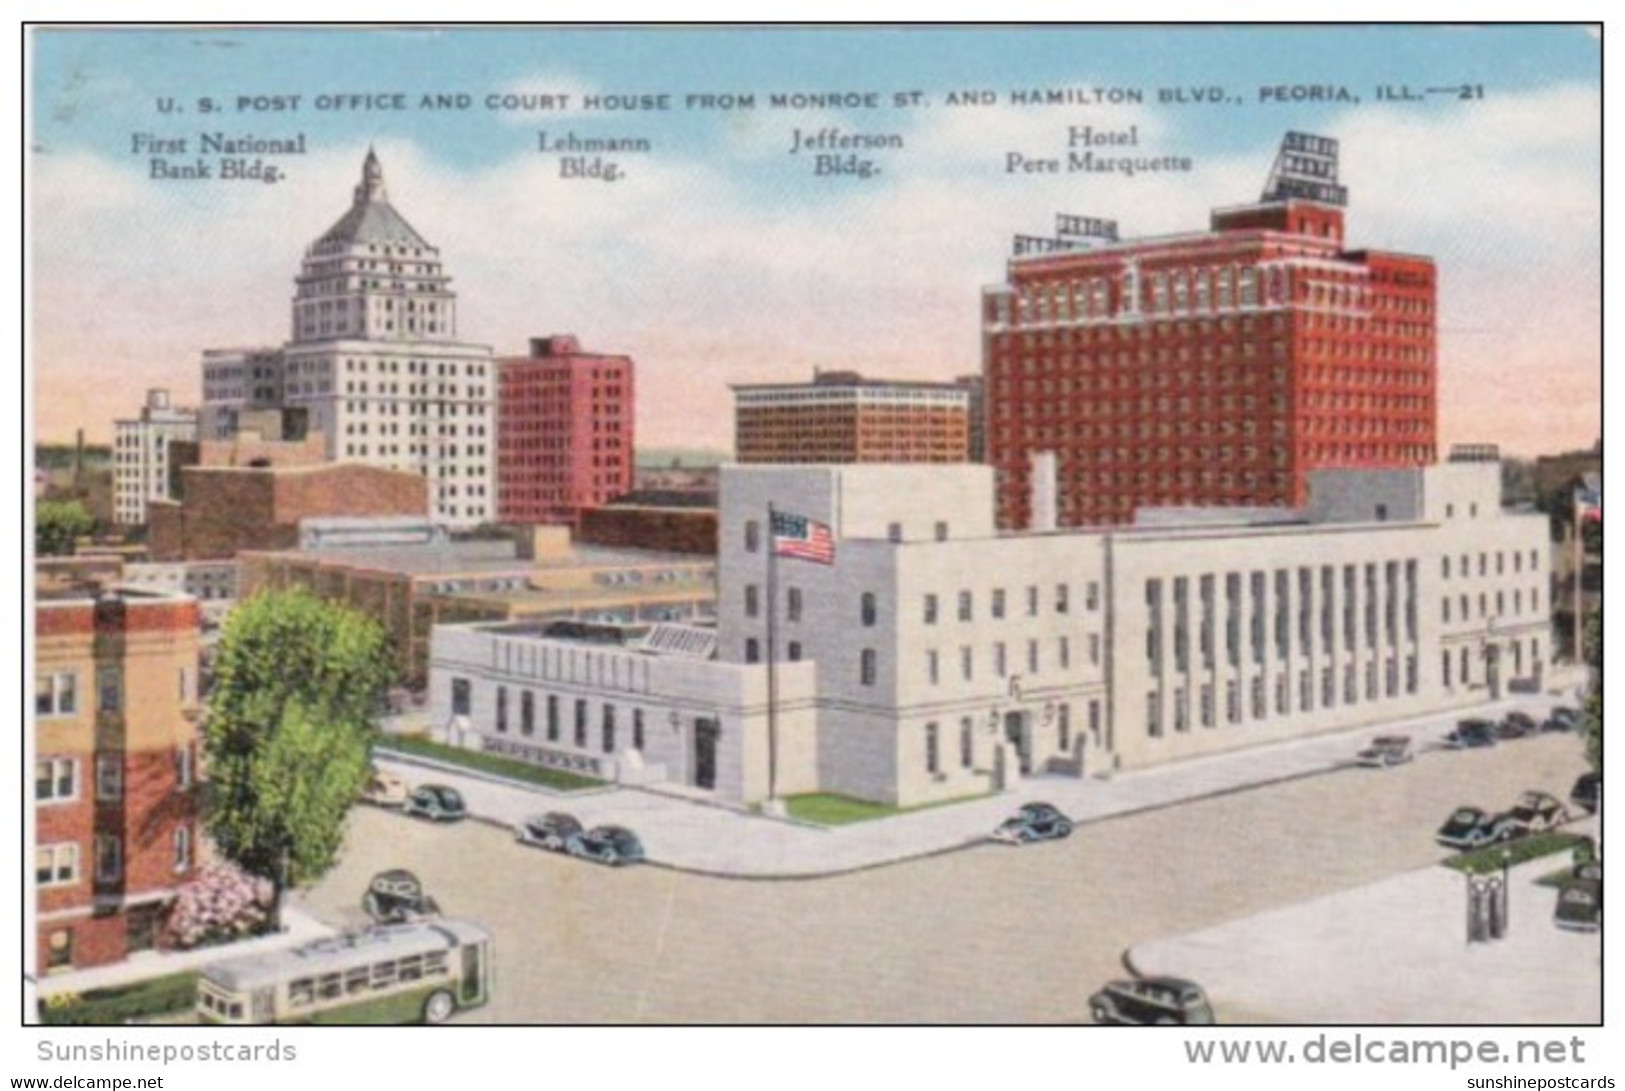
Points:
(478, 557)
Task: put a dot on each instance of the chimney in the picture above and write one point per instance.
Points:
(1043, 491)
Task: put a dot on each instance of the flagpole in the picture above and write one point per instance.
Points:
(772, 656)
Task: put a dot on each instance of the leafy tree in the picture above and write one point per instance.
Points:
(57, 525)
(296, 686)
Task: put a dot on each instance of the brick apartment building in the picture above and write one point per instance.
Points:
(842, 417)
(226, 509)
(116, 751)
(565, 431)
(1215, 368)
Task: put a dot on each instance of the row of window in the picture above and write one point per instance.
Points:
(57, 693)
(1256, 707)
(56, 780)
(1465, 611)
(1001, 658)
(1464, 568)
(58, 864)
(552, 717)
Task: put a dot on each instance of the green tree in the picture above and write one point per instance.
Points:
(297, 684)
(57, 525)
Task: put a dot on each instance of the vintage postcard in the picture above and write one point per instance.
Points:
(809, 525)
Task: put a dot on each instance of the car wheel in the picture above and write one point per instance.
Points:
(1063, 829)
(609, 857)
(439, 1006)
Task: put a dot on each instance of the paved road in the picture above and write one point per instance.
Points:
(988, 934)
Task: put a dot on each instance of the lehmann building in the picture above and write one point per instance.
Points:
(937, 658)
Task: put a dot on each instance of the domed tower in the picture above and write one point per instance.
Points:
(372, 276)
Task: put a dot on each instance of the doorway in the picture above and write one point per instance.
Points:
(706, 733)
(1015, 731)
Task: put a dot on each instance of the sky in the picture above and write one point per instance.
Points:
(722, 257)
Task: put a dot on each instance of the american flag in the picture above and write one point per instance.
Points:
(798, 536)
(1588, 503)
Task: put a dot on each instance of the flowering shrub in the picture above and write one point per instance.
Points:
(220, 905)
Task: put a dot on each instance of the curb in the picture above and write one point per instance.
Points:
(439, 765)
(803, 876)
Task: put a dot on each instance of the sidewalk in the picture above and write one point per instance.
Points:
(298, 928)
(1395, 952)
(723, 842)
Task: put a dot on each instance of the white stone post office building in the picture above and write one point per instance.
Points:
(938, 658)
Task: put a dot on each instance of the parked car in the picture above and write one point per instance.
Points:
(436, 802)
(1562, 718)
(1034, 822)
(396, 897)
(1516, 724)
(1471, 734)
(1386, 750)
(1537, 812)
(384, 790)
(551, 831)
(1474, 827)
(1579, 906)
(1586, 792)
(1152, 1001)
(613, 845)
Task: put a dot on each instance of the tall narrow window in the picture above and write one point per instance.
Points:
(866, 608)
(933, 759)
(867, 666)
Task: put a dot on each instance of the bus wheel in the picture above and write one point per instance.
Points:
(439, 1006)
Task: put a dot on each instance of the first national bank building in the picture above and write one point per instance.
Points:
(937, 657)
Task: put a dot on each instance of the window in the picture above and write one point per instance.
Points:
(637, 728)
(56, 865)
(792, 604)
(792, 651)
(894, 532)
(1061, 604)
(753, 650)
(527, 712)
(462, 700)
(1092, 598)
(932, 672)
(1032, 657)
(109, 858)
(552, 717)
(965, 663)
(933, 760)
(56, 694)
(609, 729)
(1032, 602)
(997, 607)
(753, 604)
(1153, 715)
(183, 849)
(109, 689)
(967, 742)
(998, 659)
(753, 536)
(502, 708)
(110, 776)
(964, 606)
(942, 532)
(930, 609)
(183, 767)
(866, 608)
(581, 724)
(56, 780)
(866, 667)
(1064, 653)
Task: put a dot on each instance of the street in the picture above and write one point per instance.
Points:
(989, 934)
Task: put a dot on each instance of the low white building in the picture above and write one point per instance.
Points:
(936, 658)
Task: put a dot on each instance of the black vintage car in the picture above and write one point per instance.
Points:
(436, 802)
(396, 897)
(1474, 827)
(1536, 812)
(1470, 734)
(551, 831)
(1516, 724)
(1562, 718)
(1586, 792)
(1034, 822)
(1152, 1001)
(613, 845)
(1579, 906)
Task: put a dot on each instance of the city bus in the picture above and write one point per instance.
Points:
(399, 973)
